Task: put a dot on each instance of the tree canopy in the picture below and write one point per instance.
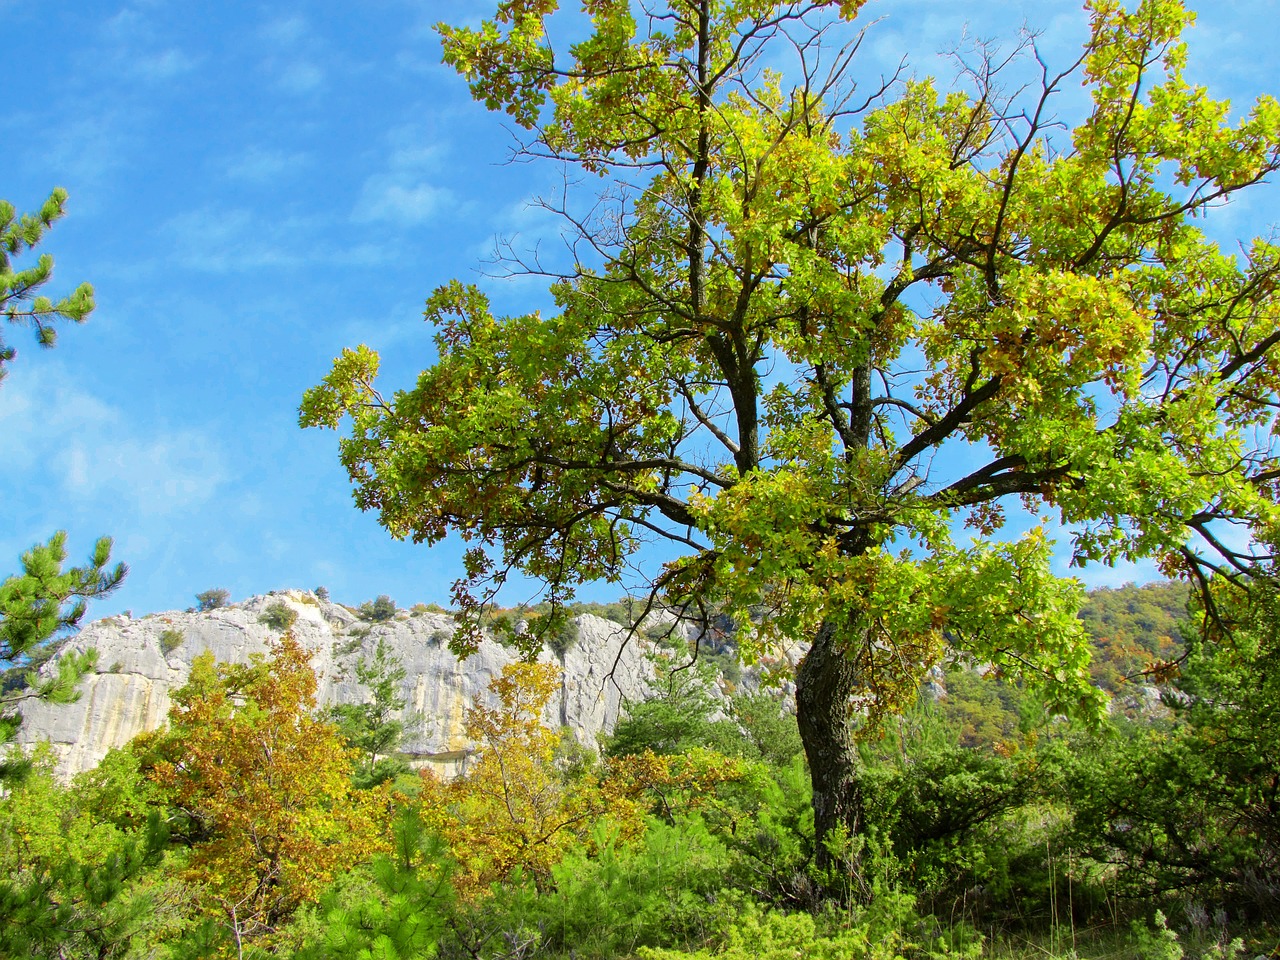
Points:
(263, 788)
(808, 330)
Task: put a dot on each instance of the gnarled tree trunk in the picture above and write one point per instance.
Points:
(826, 681)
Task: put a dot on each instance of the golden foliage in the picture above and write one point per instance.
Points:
(266, 787)
(515, 810)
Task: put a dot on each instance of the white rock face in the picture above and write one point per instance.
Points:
(129, 693)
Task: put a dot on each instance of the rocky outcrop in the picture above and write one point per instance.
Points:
(141, 662)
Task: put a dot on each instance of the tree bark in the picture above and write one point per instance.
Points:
(826, 681)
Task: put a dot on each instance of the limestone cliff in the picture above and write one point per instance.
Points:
(139, 665)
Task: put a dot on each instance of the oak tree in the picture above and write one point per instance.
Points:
(810, 330)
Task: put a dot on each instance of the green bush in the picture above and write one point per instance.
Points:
(212, 599)
(171, 640)
(564, 637)
(755, 935)
(378, 611)
(677, 718)
(1187, 809)
(665, 890)
(350, 645)
(278, 616)
(768, 725)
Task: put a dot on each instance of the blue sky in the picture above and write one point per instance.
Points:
(255, 186)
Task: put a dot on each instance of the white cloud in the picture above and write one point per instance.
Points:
(400, 193)
(96, 454)
(385, 197)
(159, 474)
(285, 31)
(164, 65)
(258, 165)
(36, 407)
(294, 55)
(221, 240)
(84, 149)
(299, 77)
(228, 240)
(126, 24)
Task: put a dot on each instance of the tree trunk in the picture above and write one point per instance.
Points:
(825, 683)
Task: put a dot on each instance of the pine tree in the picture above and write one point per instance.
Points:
(375, 728)
(20, 302)
(38, 605)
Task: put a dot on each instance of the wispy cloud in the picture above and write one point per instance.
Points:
(165, 473)
(285, 31)
(228, 240)
(294, 57)
(163, 65)
(82, 150)
(259, 164)
(401, 193)
(299, 77)
(221, 240)
(99, 455)
(385, 197)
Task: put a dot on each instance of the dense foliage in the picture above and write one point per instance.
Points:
(213, 599)
(805, 333)
(789, 305)
(247, 828)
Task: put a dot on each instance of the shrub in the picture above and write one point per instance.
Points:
(212, 599)
(322, 593)
(171, 640)
(563, 638)
(278, 616)
(350, 645)
(664, 890)
(678, 718)
(751, 934)
(378, 611)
